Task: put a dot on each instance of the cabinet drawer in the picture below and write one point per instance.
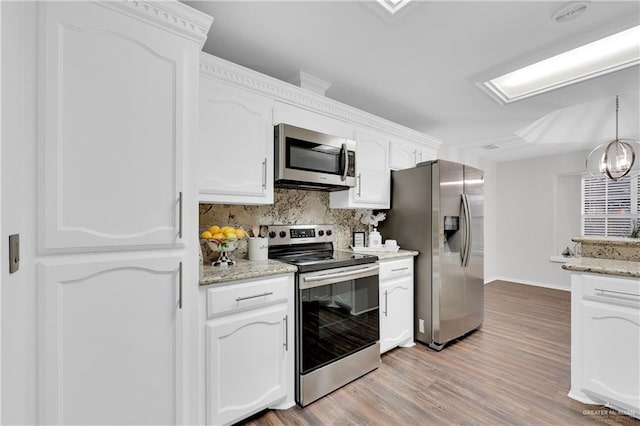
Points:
(246, 294)
(611, 290)
(396, 268)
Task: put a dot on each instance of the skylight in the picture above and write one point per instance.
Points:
(613, 53)
(393, 6)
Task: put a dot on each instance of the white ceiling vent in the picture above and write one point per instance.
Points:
(570, 11)
(491, 147)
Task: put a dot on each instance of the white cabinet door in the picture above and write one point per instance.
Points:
(235, 158)
(373, 184)
(113, 100)
(246, 362)
(396, 313)
(109, 342)
(611, 348)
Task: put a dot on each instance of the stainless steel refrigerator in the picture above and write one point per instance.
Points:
(437, 208)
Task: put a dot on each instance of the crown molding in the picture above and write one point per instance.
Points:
(237, 75)
(170, 14)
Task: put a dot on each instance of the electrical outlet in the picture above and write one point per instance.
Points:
(14, 253)
(421, 325)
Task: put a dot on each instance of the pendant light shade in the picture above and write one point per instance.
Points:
(613, 159)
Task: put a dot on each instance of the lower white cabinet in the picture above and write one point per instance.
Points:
(249, 348)
(110, 342)
(396, 303)
(605, 337)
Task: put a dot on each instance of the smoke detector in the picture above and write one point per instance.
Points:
(570, 11)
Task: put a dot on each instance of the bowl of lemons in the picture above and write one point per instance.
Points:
(223, 240)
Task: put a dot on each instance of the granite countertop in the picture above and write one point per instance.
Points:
(624, 268)
(385, 255)
(244, 269)
(617, 241)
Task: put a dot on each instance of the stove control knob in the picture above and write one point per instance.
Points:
(272, 234)
(283, 234)
(329, 232)
(321, 233)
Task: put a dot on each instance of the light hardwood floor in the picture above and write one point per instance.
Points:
(515, 370)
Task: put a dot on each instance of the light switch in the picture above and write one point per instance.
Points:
(14, 253)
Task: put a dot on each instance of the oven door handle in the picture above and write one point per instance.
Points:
(336, 277)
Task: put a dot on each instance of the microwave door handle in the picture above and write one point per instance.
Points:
(345, 161)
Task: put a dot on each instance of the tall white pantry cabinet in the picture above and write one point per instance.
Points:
(111, 248)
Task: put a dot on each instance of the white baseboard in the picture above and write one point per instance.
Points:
(533, 283)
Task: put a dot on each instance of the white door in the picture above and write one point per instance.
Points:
(246, 362)
(396, 322)
(235, 158)
(109, 340)
(372, 171)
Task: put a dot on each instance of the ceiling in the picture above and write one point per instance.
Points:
(420, 66)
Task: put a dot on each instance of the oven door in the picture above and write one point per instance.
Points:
(307, 157)
(337, 314)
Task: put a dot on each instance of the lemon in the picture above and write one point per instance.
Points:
(240, 233)
(218, 235)
(226, 229)
(229, 233)
(206, 235)
(214, 229)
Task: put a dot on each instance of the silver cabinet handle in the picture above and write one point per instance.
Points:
(264, 174)
(415, 157)
(286, 333)
(255, 296)
(385, 303)
(359, 184)
(180, 215)
(617, 292)
(400, 269)
(420, 156)
(180, 286)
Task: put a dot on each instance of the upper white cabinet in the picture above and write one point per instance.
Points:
(115, 91)
(235, 157)
(307, 119)
(373, 186)
(405, 154)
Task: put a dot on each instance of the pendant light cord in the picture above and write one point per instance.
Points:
(617, 106)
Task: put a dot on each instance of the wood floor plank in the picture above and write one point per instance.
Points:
(515, 370)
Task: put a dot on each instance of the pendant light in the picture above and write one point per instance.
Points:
(614, 158)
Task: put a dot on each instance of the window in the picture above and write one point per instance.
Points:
(608, 207)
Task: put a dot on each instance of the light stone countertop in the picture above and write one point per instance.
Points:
(617, 241)
(385, 255)
(244, 269)
(624, 268)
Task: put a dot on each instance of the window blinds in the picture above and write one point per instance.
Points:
(609, 206)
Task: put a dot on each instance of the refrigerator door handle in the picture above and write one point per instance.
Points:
(468, 236)
(463, 242)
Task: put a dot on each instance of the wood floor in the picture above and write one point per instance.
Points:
(515, 370)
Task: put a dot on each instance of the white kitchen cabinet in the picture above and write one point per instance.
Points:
(605, 333)
(114, 196)
(249, 353)
(112, 130)
(235, 158)
(405, 154)
(110, 334)
(373, 184)
(396, 303)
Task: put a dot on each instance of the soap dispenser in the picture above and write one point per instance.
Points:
(375, 239)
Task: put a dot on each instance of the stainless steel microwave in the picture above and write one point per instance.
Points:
(306, 159)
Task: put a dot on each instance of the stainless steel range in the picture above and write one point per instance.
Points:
(337, 322)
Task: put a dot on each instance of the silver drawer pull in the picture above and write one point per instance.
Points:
(400, 269)
(617, 292)
(240, 299)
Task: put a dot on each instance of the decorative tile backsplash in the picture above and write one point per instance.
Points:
(291, 206)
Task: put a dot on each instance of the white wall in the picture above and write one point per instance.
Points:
(537, 211)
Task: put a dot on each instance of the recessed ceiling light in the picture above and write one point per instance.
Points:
(612, 53)
(570, 11)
